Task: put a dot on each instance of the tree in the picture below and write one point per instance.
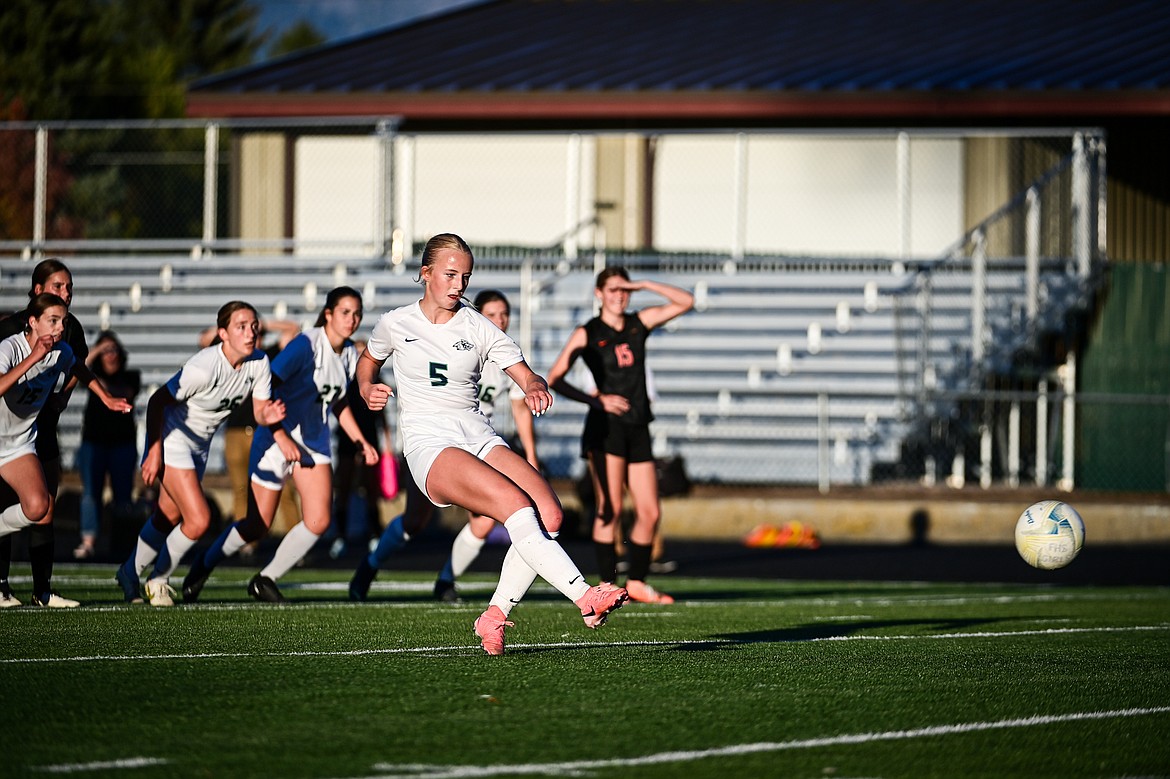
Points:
(301, 35)
(113, 59)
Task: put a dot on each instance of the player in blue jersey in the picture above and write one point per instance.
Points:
(310, 376)
(439, 346)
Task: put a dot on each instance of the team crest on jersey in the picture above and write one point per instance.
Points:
(463, 346)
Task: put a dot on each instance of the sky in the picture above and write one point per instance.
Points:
(338, 19)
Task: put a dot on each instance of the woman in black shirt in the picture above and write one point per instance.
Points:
(109, 441)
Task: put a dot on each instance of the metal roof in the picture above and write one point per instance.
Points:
(511, 59)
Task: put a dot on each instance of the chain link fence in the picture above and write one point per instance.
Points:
(846, 308)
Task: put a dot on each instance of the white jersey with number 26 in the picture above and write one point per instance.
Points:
(18, 411)
(208, 388)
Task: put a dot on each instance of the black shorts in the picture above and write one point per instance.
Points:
(631, 442)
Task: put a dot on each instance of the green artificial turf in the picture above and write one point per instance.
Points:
(739, 678)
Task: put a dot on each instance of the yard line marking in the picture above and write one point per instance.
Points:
(583, 767)
(461, 649)
(73, 768)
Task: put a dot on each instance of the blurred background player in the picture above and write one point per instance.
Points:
(109, 442)
(52, 276)
(439, 346)
(616, 441)
(34, 365)
(309, 377)
(181, 419)
(354, 479)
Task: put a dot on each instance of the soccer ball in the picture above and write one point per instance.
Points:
(1049, 534)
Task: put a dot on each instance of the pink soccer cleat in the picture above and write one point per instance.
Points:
(599, 601)
(641, 592)
(490, 629)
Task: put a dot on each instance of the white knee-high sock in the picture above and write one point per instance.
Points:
(150, 541)
(464, 550)
(172, 553)
(13, 519)
(294, 546)
(544, 555)
(516, 577)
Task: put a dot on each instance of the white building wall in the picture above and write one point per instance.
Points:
(337, 195)
(805, 195)
(814, 195)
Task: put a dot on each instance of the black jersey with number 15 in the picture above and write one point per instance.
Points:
(617, 360)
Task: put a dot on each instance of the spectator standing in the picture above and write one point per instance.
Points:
(109, 441)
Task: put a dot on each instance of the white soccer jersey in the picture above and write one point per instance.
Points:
(313, 379)
(494, 386)
(208, 388)
(437, 368)
(18, 412)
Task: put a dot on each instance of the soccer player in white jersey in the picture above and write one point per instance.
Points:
(310, 375)
(494, 386)
(181, 418)
(34, 365)
(439, 347)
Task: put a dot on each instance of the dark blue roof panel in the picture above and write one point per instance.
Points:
(838, 47)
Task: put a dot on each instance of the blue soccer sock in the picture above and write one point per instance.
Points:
(227, 544)
(394, 537)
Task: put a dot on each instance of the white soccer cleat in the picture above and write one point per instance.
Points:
(7, 599)
(159, 593)
(55, 601)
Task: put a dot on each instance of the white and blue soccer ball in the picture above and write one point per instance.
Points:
(1049, 534)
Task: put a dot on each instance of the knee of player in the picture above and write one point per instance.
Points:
(38, 508)
(552, 517)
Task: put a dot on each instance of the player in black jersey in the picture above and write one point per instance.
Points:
(616, 440)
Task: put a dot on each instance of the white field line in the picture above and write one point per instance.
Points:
(105, 765)
(465, 649)
(590, 767)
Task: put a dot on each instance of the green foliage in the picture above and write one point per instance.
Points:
(302, 35)
(111, 59)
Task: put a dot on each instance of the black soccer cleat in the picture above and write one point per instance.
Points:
(446, 592)
(264, 589)
(131, 585)
(196, 578)
(359, 585)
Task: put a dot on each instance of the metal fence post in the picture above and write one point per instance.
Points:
(978, 299)
(1042, 433)
(1032, 256)
(739, 229)
(572, 197)
(527, 293)
(1068, 375)
(210, 185)
(385, 238)
(823, 443)
(903, 184)
(1081, 197)
(41, 187)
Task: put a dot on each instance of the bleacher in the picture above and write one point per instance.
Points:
(786, 373)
